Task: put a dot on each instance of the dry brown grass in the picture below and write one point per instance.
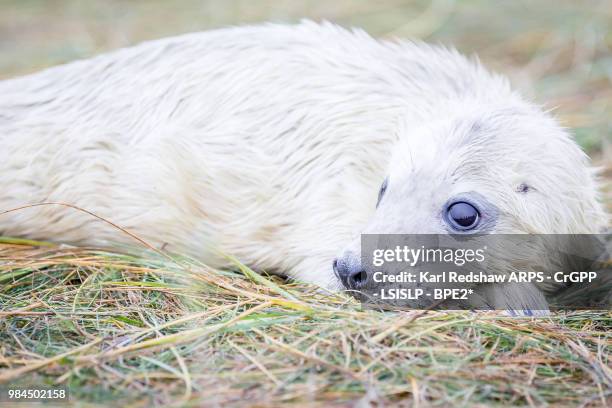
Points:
(167, 329)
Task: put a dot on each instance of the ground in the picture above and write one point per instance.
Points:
(115, 327)
(166, 329)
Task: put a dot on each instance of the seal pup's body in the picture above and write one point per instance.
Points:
(270, 143)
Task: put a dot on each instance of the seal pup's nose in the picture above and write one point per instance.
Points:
(350, 273)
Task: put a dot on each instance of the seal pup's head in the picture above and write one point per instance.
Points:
(483, 169)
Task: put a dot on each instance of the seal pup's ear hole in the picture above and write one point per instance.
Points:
(524, 188)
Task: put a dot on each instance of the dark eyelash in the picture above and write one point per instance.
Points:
(382, 191)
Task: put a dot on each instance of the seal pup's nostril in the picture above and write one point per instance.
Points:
(350, 273)
(335, 267)
(342, 271)
(358, 279)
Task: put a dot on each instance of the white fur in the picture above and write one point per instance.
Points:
(270, 143)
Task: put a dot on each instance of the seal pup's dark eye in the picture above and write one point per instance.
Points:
(462, 216)
(381, 193)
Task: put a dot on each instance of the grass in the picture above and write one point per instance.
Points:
(165, 329)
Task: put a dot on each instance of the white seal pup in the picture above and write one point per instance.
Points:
(271, 142)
